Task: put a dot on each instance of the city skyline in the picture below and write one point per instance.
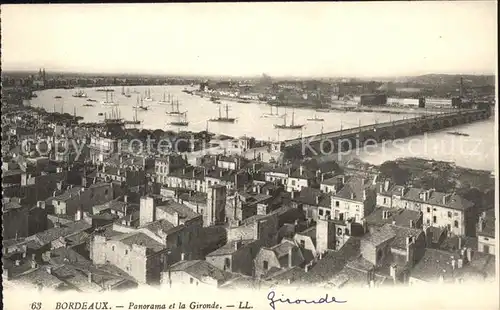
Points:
(279, 39)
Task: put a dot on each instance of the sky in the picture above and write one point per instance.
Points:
(247, 39)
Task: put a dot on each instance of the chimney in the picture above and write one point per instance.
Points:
(89, 275)
(364, 194)
(17, 262)
(459, 242)
(445, 199)
(292, 194)
(352, 195)
(453, 263)
(460, 263)
(317, 200)
(306, 268)
(392, 271)
(290, 258)
(183, 256)
(469, 254)
(384, 214)
(220, 173)
(125, 198)
(237, 245)
(412, 224)
(393, 222)
(402, 191)
(301, 170)
(7, 273)
(409, 240)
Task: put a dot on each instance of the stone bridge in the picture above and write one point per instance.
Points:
(344, 140)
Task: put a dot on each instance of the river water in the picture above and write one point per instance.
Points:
(250, 122)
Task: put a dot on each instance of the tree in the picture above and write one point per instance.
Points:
(391, 170)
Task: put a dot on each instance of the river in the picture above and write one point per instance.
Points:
(250, 122)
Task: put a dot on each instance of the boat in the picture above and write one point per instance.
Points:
(164, 99)
(58, 97)
(316, 119)
(88, 105)
(148, 97)
(187, 91)
(135, 121)
(140, 106)
(291, 126)
(214, 99)
(456, 133)
(105, 90)
(268, 115)
(114, 118)
(80, 94)
(107, 101)
(127, 93)
(182, 121)
(323, 110)
(91, 100)
(222, 119)
(175, 109)
(100, 114)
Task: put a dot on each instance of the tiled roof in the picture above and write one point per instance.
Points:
(39, 276)
(352, 190)
(184, 212)
(201, 269)
(142, 239)
(402, 217)
(283, 248)
(68, 194)
(52, 234)
(230, 247)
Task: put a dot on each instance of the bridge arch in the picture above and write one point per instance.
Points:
(347, 143)
(454, 122)
(369, 140)
(384, 136)
(414, 131)
(400, 133)
(446, 123)
(436, 126)
(425, 127)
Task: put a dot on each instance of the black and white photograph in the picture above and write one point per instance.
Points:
(195, 151)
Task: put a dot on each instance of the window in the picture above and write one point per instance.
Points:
(227, 262)
(428, 210)
(302, 243)
(449, 214)
(179, 241)
(126, 252)
(128, 268)
(486, 249)
(339, 231)
(191, 280)
(293, 182)
(113, 248)
(428, 222)
(337, 203)
(265, 265)
(328, 213)
(434, 219)
(379, 255)
(106, 192)
(385, 200)
(455, 224)
(320, 211)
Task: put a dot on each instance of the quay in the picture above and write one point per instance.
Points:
(345, 139)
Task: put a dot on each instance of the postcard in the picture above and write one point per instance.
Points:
(243, 156)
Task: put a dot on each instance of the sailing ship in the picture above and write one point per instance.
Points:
(292, 125)
(58, 97)
(80, 94)
(181, 121)
(273, 114)
(88, 105)
(126, 94)
(148, 96)
(316, 119)
(223, 119)
(164, 99)
(175, 108)
(135, 121)
(114, 118)
(108, 101)
(140, 105)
